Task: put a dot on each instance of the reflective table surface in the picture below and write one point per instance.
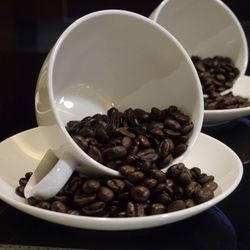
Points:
(26, 35)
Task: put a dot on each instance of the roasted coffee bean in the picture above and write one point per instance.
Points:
(136, 176)
(91, 186)
(175, 170)
(147, 155)
(158, 175)
(187, 128)
(191, 188)
(170, 182)
(180, 149)
(115, 153)
(165, 148)
(127, 169)
(189, 203)
(203, 195)
(142, 115)
(156, 114)
(94, 208)
(160, 187)
(163, 198)
(44, 205)
(20, 191)
(127, 142)
(172, 124)
(210, 185)
(102, 135)
(81, 142)
(125, 132)
(83, 199)
(131, 117)
(150, 183)
(59, 206)
(203, 178)
(146, 167)
(157, 208)
(33, 201)
(139, 193)
(114, 164)
(195, 172)
(144, 141)
(176, 205)
(117, 185)
(94, 153)
(28, 175)
(184, 178)
(23, 181)
(105, 194)
(135, 209)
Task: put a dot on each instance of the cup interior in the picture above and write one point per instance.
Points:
(205, 28)
(118, 58)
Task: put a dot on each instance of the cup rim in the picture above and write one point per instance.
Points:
(139, 17)
(231, 14)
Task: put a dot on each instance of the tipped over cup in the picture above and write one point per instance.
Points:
(105, 59)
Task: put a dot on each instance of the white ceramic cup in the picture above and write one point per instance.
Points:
(205, 28)
(108, 58)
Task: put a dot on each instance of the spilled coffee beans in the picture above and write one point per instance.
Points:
(217, 74)
(133, 137)
(155, 192)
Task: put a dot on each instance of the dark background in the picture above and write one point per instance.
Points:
(28, 30)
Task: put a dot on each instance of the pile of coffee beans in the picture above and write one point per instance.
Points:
(228, 101)
(139, 192)
(133, 136)
(217, 74)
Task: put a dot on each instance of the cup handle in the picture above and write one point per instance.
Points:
(49, 177)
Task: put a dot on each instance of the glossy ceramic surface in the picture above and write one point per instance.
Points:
(204, 28)
(112, 58)
(218, 160)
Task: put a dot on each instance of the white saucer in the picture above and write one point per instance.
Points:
(22, 152)
(217, 117)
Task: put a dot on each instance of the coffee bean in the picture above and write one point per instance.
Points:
(44, 205)
(172, 124)
(117, 185)
(127, 169)
(150, 182)
(33, 201)
(147, 155)
(191, 188)
(91, 186)
(142, 115)
(157, 208)
(59, 206)
(203, 178)
(105, 194)
(158, 175)
(203, 195)
(23, 181)
(176, 205)
(20, 191)
(83, 199)
(94, 153)
(210, 185)
(163, 198)
(136, 176)
(180, 149)
(139, 193)
(115, 153)
(94, 208)
(135, 209)
(189, 203)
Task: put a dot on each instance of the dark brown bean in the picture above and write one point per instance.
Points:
(176, 205)
(105, 194)
(157, 208)
(210, 185)
(59, 206)
(91, 186)
(93, 208)
(139, 193)
(115, 153)
(83, 199)
(203, 195)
